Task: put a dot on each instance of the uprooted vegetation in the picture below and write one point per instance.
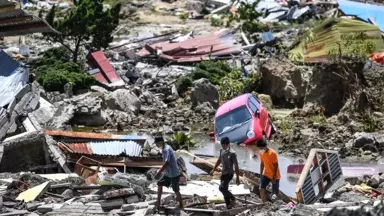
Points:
(231, 81)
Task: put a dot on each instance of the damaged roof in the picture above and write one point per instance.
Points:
(324, 38)
(94, 136)
(17, 22)
(200, 48)
(113, 148)
(6, 4)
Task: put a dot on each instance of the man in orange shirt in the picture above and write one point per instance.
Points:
(269, 170)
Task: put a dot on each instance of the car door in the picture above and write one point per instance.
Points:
(263, 113)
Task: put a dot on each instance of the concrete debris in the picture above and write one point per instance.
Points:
(155, 46)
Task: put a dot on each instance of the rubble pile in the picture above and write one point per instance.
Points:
(114, 194)
(333, 103)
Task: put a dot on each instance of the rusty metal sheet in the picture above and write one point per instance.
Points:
(83, 148)
(78, 134)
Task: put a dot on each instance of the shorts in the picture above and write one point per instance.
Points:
(168, 181)
(265, 181)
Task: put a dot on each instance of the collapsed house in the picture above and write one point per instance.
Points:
(14, 21)
(324, 38)
(218, 45)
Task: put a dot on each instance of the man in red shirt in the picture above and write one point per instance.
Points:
(269, 170)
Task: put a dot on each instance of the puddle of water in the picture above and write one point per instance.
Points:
(244, 155)
(246, 162)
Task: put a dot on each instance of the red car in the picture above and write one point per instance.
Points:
(244, 120)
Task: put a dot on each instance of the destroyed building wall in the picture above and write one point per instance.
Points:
(23, 152)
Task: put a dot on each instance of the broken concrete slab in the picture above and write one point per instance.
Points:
(132, 199)
(33, 193)
(112, 203)
(203, 188)
(20, 147)
(124, 192)
(140, 205)
(48, 207)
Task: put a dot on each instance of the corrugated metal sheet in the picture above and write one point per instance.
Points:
(105, 66)
(196, 49)
(114, 148)
(87, 135)
(12, 78)
(82, 148)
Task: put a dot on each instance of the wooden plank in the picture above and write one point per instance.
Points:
(245, 175)
(307, 167)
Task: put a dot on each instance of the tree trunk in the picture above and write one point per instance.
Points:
(76, 51)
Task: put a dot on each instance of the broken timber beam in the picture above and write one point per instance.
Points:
(245, 176)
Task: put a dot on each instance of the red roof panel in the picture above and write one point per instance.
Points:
(99, 77)
(105, 66)
(195, 49)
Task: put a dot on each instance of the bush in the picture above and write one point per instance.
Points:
(181, 140)
(183, 84)
(54, 80)
(212, 70)
(234, 84)
(54, 70)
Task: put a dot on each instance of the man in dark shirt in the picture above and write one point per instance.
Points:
(228, 158)
(172, 173)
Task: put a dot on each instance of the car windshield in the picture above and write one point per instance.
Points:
(232, 119)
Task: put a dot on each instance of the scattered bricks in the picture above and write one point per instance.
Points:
(132, 199)
(124, 192)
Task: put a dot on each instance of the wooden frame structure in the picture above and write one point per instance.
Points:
(322, 168)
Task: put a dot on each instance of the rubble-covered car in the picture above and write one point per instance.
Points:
(244, 120)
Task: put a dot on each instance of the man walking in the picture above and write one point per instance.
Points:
(228, 158)
(172, 173)
(269, 170)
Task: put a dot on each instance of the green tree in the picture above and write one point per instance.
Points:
(86, 23)
(248, 17)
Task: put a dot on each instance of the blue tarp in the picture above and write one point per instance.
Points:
(363, 11)
(12, 78)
